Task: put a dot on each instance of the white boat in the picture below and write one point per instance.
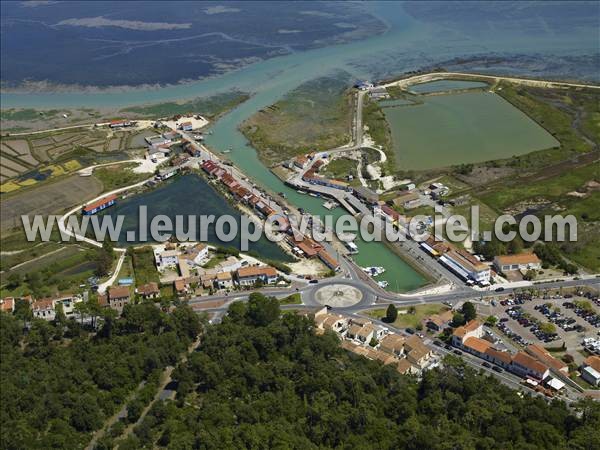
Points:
(312, 194)
(330, 205)
(383, 284)
(300, 191)
(226, 151)
(374, 270)
(352, 248)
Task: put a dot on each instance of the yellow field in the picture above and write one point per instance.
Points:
(9, 186)
(72, 165)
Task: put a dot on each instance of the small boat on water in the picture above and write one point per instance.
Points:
(330, 205)
(226, 151)
(312, 194)
(374, 270)
(352, 248)
(300, 191)
(383, 284)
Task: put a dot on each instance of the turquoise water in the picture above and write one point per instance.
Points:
(187, 195)
(462, 128)
(445, 85)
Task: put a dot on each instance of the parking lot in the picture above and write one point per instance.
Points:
(552, 321)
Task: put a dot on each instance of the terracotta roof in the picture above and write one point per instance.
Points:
(100, 202)
(179, 285)
(118, 292)
(523, 359)
(7, 304)
(392, 342)
(366, 330)
(45, 303)
(354, 330)
(505, 357)
(255, 271)
(224, 276)
(404, 366)
(477, 344)
(544, 356)
(469, 327)
(593, 361)
(148, 289)
(521, 258)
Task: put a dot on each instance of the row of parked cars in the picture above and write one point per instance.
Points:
(590, 317)
(516, 313)
(566, 323)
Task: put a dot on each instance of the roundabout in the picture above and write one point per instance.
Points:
(338, 295)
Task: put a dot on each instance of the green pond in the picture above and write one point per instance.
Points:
(462, 128)
(445, 85)
(187, 195)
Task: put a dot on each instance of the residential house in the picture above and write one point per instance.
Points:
(249, 276)
(392, 344)
(44, 309)
(118, 297)
(181, 287)
(332, 322)
(224, 280)
(404, 367)
(149, 290)
(438, 322)
(417, 353)
(592, 361)
(521, 261)
(7, 304)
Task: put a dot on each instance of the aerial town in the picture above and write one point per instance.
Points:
(312, 334)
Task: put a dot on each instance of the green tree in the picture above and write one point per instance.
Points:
(391, 313)
(458, 319)
(469, 312)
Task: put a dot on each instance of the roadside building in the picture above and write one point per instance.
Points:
(393, 344)
(465, 265)
(181, 287)
(224, 280)
(301, 162)
(476, 346)
(167, 173)
(249, 276)
(502, 359)
(328, 260)
(155, 141)
(472, 329)
(437, 322)
(521, 261)
(526, 366)
(149, 290)
(118, 297)
(417, 353)
(99, 205)
(186, 126)
(331, 322)
(119, 123)
(542, 355)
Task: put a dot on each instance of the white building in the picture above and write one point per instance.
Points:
(169, 258)
(591, 375)
(522, 261)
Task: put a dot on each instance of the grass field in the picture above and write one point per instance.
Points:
(315, 116)
(406, 319)
(340, 168)
(143, 265)
(119, 175)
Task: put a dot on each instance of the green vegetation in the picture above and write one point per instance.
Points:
(119, 175)
(293, 299)
(262, 380)
(143, 265)
(26, 114)
(340, 168)
(60, 381)
(315, 116)
(210, 107)
(410, 317)
(379, 130)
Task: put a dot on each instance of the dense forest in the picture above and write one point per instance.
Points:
(259, 379)
(262, 380)
(60, 381)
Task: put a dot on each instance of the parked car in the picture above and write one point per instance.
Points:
(498, 369)
(486, 364)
